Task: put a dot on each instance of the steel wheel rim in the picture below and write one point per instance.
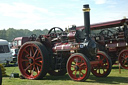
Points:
(102, 68)
(77, 68)
(30, 61)
(123, 59)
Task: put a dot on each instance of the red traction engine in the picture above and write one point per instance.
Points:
(112, 38)
(60, 52)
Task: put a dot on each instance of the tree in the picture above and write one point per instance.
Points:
(3, 34)
(12, 33)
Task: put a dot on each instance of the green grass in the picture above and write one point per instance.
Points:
(113, 79)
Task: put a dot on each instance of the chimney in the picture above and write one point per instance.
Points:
(86, 11)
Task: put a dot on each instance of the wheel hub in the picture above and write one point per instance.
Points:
(31, 61)
(77, 68)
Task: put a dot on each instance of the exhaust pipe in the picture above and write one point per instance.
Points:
(91, 45)
(86, 11)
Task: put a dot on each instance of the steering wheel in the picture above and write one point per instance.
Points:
(106, 33)
(33, 37)
(54, 32)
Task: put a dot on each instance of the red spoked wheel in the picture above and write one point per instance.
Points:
(102, 69)
(33, 60)
(123, 59)
(78, 67)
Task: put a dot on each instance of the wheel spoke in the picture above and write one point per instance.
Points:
(125, 62)
(38, 64)
(104, 58)
(27, 53)
(103, 67)
(38, 58)
(75, 73)
(32, 71)
(38, 69)
(35, 53)
(23, 60)
(79, 74)
(82, 64)
(30, 53)
(76, 60)
(99, 70)
(32, 49)
(28, 67)
(82, 72)
(38, 54)
(73, 65)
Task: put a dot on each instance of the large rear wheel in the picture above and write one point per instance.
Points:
(33, 60)
(123, 59)
(102, 69)
(78, 67)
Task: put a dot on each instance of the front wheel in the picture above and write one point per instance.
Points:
(78, 67)
(102, 69)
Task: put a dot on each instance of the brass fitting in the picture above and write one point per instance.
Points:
(86, 9)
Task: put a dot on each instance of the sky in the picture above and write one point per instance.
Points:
(45, 14)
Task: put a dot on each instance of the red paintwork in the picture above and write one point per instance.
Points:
(30, 70)
(66, 47)
(54, 52)
(94, 62)
(123, 58)
(115, 44)
(22, 39)
(71, 35)
(105, 24)
(82, 72)
(101, 68)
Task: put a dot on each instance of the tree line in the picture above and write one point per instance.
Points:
(12, 33)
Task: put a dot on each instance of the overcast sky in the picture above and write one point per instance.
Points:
(45, 14)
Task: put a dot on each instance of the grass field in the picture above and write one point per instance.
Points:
(113, 79)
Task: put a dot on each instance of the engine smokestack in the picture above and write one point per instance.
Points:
(86, 11)
(90, 44)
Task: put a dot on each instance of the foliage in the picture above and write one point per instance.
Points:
(12, 33)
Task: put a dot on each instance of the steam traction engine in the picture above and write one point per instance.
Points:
(59, 52)
(112, 38)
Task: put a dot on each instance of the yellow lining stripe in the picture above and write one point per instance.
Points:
(86, 9)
